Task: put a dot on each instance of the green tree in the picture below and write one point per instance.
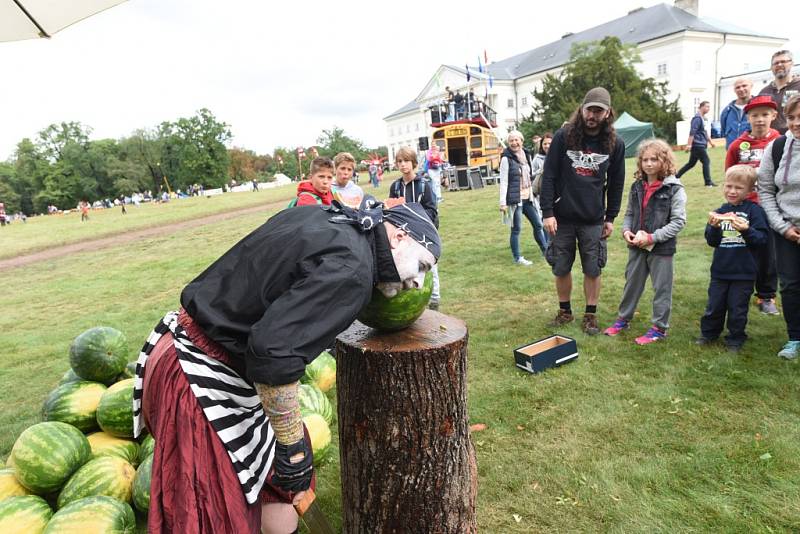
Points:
(333, 141)
(609, 64)
(8, 194)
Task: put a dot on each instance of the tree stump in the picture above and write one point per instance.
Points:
(407, 461)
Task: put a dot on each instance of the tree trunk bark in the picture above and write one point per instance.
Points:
(407, 461)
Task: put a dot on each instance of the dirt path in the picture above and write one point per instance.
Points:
(126, 237)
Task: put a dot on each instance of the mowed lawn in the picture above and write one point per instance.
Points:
(665, 438)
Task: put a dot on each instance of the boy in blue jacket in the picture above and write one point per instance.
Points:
(736, 230)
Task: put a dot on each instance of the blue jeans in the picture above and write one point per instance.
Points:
(788, 256)
(532, 215)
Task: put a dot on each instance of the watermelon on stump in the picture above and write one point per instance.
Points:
(99, 354)
(107, 445)
(93, 515)
(141, 485)
(107, 475)
(9, 485)
(320, 434)
(312, 400)
(27, 514)
(398, 312)
(115, 411)
(74, 403)
(46, 454)
(147, 448)
(321, 372)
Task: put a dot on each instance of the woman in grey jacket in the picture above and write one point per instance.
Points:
(779, 191)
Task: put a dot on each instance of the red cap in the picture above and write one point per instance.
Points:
(760, 101)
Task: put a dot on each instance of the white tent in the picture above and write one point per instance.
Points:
(32, 19)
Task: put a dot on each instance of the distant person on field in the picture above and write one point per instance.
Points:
(782, 87)
(317, 189)
(2, 214)
(582, 186)
(733, 118)
(255, 184)
(373, 174)
(344, 189)
(697, 145)
(736, 230)
(84, 207)
(749, 149)
(433, 166)
(122, 203)
(779, 191)
(656, 214)
(414, 187)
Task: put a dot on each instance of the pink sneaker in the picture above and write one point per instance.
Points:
(618, 326)
(651, 336)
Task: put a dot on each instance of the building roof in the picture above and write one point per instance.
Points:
(638, 26)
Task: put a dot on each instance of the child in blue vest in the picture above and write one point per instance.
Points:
(737, 230)
(656, 213)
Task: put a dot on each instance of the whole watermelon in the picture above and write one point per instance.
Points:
(9, 485)
(106, 475)
(74, 403)
(46, 454)
(128, 372)
(141, 485)
(99, 354)
(69, 376)
(93, 515)
(398, 312)
(320, 434)
(103, 444)
(27, 514)
(321, 372)
(147, 448)
(312, 400)
(115, 411)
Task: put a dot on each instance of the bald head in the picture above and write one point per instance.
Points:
(742, 88)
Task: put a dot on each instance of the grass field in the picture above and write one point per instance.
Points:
(664, 438)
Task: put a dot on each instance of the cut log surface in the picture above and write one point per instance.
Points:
(407, 461)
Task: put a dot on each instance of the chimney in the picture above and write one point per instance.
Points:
(690, 6)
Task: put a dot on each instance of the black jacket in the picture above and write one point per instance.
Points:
(418, 190)
(515, 175)
(282, 294)
(575, 183)
(736, 253)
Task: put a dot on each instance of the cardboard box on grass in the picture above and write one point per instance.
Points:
(547, 352)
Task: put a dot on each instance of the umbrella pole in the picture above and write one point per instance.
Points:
(42, 33)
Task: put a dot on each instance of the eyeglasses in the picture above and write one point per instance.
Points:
(781, 62)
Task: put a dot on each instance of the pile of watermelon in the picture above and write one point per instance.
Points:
(80, 468)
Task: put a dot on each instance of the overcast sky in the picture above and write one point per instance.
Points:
(280, 72)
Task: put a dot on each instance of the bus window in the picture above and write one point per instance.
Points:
(441, 145)
(439, 134)
(475, 141)
(474, 131)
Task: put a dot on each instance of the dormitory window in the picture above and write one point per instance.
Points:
(662, 69)
(511, 102)
(524, 100)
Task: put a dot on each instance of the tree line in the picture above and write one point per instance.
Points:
(62, 166)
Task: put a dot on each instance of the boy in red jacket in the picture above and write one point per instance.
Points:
(317, 189)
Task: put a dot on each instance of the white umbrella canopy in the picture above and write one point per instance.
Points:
(32, 19)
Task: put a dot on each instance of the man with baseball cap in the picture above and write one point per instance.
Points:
(582, 183)
(783, 87)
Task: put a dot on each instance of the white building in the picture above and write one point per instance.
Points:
(693, 54)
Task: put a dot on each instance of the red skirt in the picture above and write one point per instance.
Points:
(194, 488)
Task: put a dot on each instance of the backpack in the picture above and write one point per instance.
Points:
(293, 203)
(777, 151)
(425, 178)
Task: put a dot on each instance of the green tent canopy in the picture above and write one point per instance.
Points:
(632, 132)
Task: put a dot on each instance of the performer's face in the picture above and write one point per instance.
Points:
(412, 261)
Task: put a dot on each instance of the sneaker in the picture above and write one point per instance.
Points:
(734, 347)
(433, 304)
(768, 307)
(618, 326)
(791, 350)
(562, 317)
(711, 184)
(651, 336)
(522, 261)
(589, 324)
(704, 341)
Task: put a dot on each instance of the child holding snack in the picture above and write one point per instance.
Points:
(656, 213)
(736, 230)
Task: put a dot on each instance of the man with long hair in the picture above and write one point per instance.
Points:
(582, 183)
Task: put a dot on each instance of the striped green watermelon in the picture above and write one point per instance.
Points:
(107, 445)
(99, 354)
(9, 485)
(69, 376)
(398, 312)
(93, 515)
(115, 411)
(46, 454)
(27, 514)
(74, 403)
(321, 372)
(106, 475)
(147, 448)
(141, 485)
(312, 400)
(320, 434)
(128, 372)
